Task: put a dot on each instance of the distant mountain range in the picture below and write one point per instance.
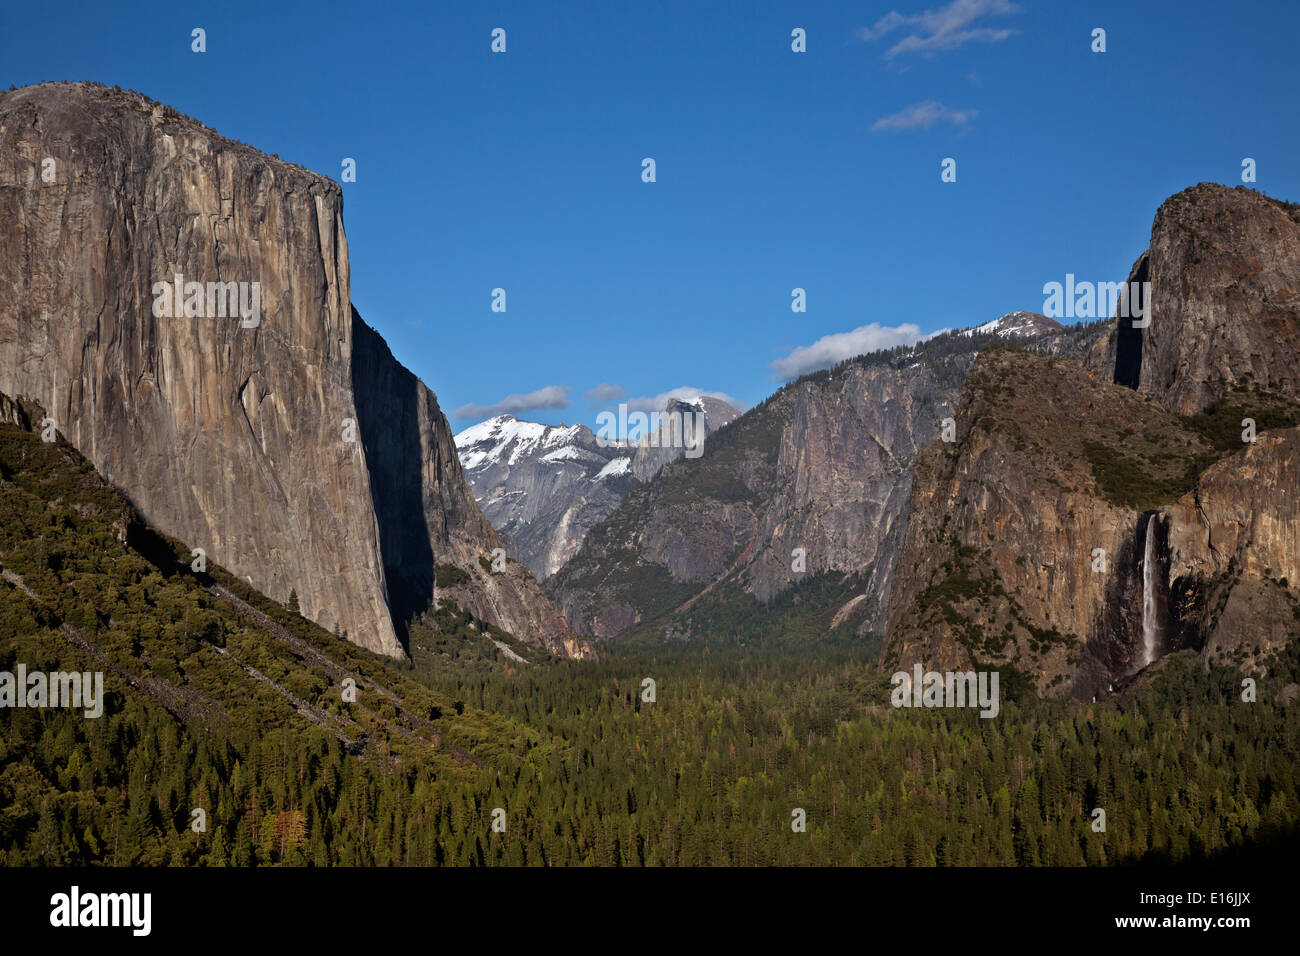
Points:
(544, 486)
(1073, 503)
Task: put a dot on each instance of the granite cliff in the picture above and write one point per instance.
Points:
(262, 420)
(1224, 269)
(1090, 518)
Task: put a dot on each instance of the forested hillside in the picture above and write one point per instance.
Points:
(221, 700)
(217, 699)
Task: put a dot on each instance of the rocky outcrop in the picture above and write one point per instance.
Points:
(1088, 521)
(1015, 549)
(243, 435)
(13, 413)
(1224, 301)
(1026, 546)
(683, 427)
(1234, 553)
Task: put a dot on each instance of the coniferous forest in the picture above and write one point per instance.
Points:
(221, 701)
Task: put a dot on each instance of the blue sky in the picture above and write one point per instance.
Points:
(774, 171)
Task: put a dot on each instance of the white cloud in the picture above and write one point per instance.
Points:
(604, 392)
(686, 393)
(552, 396)
(890, 21)
(922, 116)
(832, 349)
(946, 28)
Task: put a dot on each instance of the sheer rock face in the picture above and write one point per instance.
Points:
(231, 438)
(844, 467)
(1232, 542)
(1225, 292)
(1224, 268)
(999, 564)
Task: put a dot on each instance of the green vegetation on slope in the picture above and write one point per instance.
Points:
(1143, 471)
(209, 704)
(748, 724)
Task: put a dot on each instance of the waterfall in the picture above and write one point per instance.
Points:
(1150, 624)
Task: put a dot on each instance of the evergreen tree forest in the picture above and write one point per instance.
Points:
(221, 700)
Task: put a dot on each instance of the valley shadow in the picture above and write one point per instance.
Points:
(155, 548)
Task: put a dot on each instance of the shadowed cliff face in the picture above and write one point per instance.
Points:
(426, 511)
(233, 437)
(1128, 340)
(1117, 640)
(1234, 553)
(388, 420)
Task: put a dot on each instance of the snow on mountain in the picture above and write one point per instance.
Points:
(544, 486)
(565, 453)
(619, 466)
(507, 440)
(541, 486)
(1017, 324)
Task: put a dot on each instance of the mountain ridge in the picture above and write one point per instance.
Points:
(812, 480)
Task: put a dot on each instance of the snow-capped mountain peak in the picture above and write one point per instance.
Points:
(507, 440)
(1017, 325)
(544, 486)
